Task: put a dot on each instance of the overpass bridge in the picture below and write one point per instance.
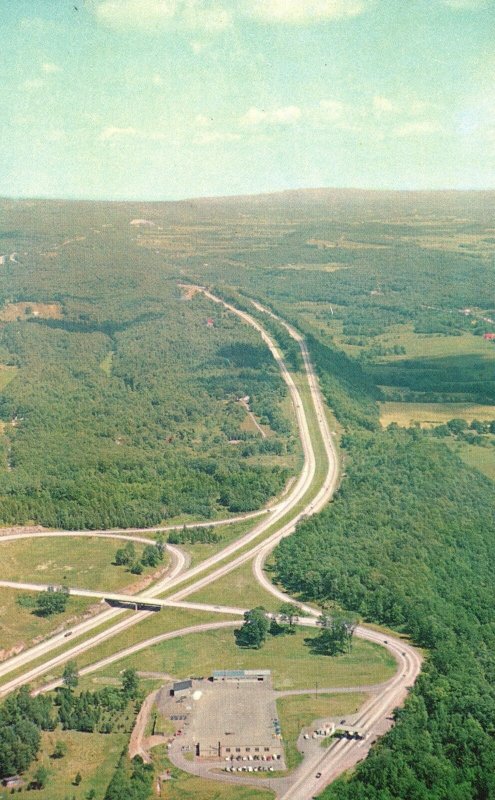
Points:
(136, 602)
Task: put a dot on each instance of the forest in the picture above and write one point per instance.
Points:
(123, 408)
(122, 412)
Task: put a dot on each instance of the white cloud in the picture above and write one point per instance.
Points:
(285, 115)
(331, 110)
(204, 16)
(32, 84)
(465, 5)
(202, 121)
(56, 135)
(135, 13)
(217, 15)
(154, 15)
(254, 116)
(50, 69)
(419, 128)
(381, 103)
(210, 137)
(304, 11)
(198, 47)
(114, 132)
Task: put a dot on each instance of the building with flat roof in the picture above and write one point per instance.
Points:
(241, 675)
(181, 688)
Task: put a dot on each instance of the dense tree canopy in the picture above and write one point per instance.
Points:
(409, 542)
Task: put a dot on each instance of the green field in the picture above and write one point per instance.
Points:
(7, 374)
(85, 562)
(298, 711)
(481, 458)
(199, 552)
(93, 755)
(430, 414)
(424, 345)
(292, 664)
(157, 623)
(19, 626)
(238, 588)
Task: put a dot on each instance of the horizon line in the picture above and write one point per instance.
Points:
(244, 195)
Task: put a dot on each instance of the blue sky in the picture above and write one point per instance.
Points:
(165, 99)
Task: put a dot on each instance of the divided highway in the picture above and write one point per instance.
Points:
(280, 513)
(307, 496)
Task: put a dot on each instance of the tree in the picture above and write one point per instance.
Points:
(479, 427)
(160, 544)
(151, 556)
(130, 682)
(70, 675)
(125, 555)
(137, 568)
(77, 780)
(53, 601)
(289, 613)
(40, 777)
(336, 636)
(254, 630)
(120, 558)
(60, 749)
(457, 426)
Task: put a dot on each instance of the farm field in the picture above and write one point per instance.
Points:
(430, 414)
(292, 664)
(417, 345)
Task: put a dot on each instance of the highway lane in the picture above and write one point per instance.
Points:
(332, 472)
(81, 628)
(128, 651)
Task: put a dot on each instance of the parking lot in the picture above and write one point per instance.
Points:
(233, 722)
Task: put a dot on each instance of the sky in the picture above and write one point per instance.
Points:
(169, 99)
